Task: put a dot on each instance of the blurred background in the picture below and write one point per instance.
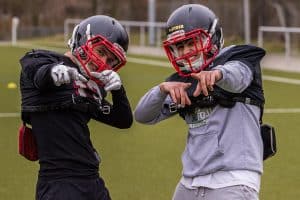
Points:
(242, 19)
(143, 162)
(259, 22)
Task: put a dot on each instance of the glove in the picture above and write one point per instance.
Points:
(109, 78)
(62, 74)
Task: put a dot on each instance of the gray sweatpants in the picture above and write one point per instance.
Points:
(238, 192)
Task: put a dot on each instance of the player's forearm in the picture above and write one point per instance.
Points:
(236, 76)
(42, 79)
(122, 108)
(119, 114)
(149, 108)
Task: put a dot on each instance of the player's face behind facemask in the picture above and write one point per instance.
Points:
(197, 23)
(189, 52)
(99, 54)
(99, 43)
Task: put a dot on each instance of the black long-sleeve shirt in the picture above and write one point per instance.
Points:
(62, 134)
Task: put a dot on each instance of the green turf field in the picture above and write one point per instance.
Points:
(143, 162)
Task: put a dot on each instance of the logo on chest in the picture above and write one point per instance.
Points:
(198, 118)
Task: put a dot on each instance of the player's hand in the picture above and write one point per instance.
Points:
(62, 74)
(109, 78)
(177, 91)
(206, 81)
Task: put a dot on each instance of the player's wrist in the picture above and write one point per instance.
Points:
(162, 87)
(219, 74)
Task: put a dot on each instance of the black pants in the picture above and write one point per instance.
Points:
(72, 189)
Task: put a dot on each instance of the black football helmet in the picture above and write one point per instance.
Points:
(97, 35)
(197, 27)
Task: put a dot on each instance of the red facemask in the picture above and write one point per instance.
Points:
(99, 54)
(200, 54)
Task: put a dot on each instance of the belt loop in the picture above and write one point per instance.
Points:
(247, 100)
(105, 109)
(173, 107)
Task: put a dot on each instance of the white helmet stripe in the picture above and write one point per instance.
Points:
(88, 31)
(72, 40)
(213, 27)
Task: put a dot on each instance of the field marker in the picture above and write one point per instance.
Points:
(11, 85)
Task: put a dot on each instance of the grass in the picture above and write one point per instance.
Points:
(143, 162)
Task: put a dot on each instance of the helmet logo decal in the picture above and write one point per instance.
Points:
(176, 34)
(175, 28)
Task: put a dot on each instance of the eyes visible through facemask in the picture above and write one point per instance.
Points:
(106, 56)
(189, 52)
(189, 45)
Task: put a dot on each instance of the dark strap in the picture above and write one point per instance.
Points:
(247, 100)
(174, 107)
(44, 108)
(76, 103)
(73, 100)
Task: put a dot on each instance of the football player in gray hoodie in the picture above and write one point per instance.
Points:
(218, 92)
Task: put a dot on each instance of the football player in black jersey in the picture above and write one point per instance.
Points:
(61, 94)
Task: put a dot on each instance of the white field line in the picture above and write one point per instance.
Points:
(266, 111)
(7, 115)
(165, 64)
(33, 46)
(281, 110)
(148, 62)
(281, 79)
